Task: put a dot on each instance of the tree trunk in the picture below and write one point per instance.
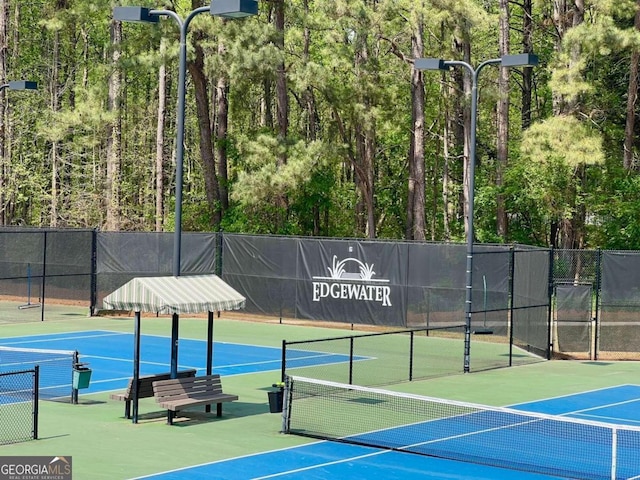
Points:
(365, 149)
(502, 119)
(266, 114)
(55, 152)
(160, 150)
(568, 14)
(629, 162)
(282, 106)
(527, 73)
(222, 129)
(112, 192)
(446, 180)
(365, 141)
(196, 68)
(415, 227)
(312, 124)
(4, 167)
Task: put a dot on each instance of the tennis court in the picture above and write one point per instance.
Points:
(575, 452)
(109, 354)
(246, 441)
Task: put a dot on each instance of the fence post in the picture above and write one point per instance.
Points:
(596, 347)
(44, 275)
(411, 357)
(512, 262)
(351, 361)
(36, 399)
(94, 277)
(218, 257)
(549, 310)
(283, 366)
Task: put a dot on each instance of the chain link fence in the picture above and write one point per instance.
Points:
(590, 309)
(19, 406)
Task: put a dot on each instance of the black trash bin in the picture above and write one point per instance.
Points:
(276, 397)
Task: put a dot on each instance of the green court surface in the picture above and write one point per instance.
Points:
(104, 445)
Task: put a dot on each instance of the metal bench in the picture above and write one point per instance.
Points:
(179, 393)
(145, 388)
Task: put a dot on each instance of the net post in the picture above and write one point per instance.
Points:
(411, 356)
(614, 452)
(351, 360)
(36, 398)
(74, 391)
(286, 405)
(283, 366)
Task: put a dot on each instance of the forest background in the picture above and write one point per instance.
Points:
(309, 119)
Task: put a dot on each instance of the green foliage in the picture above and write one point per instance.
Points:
(562, 139)
(352, 60)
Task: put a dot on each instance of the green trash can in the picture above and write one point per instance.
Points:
(81, 377)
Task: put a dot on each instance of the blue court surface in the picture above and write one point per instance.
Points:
(328, 460)
(110, 356)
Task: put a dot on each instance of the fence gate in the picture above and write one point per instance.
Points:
(574, 325)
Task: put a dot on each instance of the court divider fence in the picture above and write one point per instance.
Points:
(381, 358)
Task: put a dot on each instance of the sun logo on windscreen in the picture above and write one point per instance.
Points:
(338, 269)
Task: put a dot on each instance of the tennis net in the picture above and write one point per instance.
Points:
(495, 436)
(56, 368)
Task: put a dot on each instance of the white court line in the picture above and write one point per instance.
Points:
(321, 465)
(574, 394)
(227, 460)
(53, 339)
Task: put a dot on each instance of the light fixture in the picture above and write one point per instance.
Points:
(521, 60)
(20, 85)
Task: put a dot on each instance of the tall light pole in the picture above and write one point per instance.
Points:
(218, 8)
(522, 60)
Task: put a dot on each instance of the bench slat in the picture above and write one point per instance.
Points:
(188, 402)
(174, 394)
(188, 382)
(169, 388)
(145, 387)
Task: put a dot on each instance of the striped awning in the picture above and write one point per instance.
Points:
(189, 294)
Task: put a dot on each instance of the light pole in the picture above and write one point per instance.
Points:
(522, 60)
(218, 8)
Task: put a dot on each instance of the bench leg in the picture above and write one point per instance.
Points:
(219, 409)
(127, 409)
(170, 417)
